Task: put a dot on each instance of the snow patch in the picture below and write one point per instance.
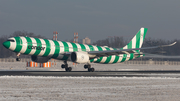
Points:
(65, 77)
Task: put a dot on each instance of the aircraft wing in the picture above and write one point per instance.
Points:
(123, 51)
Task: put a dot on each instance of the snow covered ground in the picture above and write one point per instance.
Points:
(20, 88)
(38, 88)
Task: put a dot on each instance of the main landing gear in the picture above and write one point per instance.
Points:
(69, 69)
(18, 59)
(65, 65)
(88, 66)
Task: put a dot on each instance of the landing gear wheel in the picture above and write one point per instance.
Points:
(18, 59)
(91, 69)
(87, 66)
(68, 69)
(64, 66)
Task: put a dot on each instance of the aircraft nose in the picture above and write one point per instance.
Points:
(6, 44)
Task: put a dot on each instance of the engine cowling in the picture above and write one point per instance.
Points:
(79, 57)
(39, 59)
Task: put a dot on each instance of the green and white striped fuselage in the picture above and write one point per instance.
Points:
(56, 49)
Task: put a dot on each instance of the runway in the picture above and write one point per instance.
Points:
(132, 73)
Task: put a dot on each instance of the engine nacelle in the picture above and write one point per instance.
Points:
(79, 57)
(39, 59)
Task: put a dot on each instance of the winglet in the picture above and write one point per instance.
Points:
(168, 45)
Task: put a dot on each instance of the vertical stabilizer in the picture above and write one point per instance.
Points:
(137, 40)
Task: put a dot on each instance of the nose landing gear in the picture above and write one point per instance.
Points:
(18, 59)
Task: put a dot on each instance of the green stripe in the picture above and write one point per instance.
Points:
(91, 60)
(145, 31)
(131, 56)
(18, 44)
(99, 48)
(116, 59)
(57, 49)
(7, 44)
(91, 47)
(100, 58)
(138, 35)
(48, 47)
(29, 42)
(130, 45)
(66, 49)
(38, 45)
(115, 48)
(124, 57)
(74, 47)
(64, 57)
(83, 48)
(109, 57)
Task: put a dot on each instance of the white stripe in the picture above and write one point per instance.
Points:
(52, 49)
(70, 47)
(34, 43)
(125, 47)
(78, 46)
(95, 59)
(113, 56)
(103, 60)
(12, 45)
(112, 59)
(60, 56)
(128, 57)
(134, 42)
(120, 58)
(24, 45)
(95, 48)
(61, 47)
(103, 48)
(43, 45)
(87, 48)
(141, 37)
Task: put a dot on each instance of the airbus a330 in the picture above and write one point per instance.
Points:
(42, 50)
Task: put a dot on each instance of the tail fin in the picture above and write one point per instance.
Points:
(137, 40)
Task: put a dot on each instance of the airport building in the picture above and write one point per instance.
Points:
(86, 41)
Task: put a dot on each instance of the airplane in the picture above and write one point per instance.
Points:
(42, 50)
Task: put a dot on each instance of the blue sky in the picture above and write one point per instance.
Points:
(96, 19)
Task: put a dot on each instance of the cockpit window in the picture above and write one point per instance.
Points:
(11, 40)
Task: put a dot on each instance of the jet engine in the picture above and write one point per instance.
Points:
(79, 57)
(39, 59)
